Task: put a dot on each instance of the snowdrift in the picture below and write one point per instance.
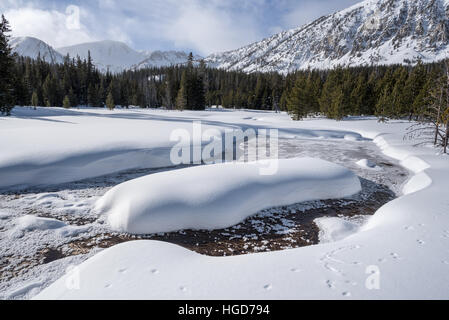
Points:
(222, 195)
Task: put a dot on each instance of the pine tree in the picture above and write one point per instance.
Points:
(181, 99)
(35, 100)
(337, 108)
(66, 104)
(297, 102)
(328, 93)
(6, 69)
(110, 101)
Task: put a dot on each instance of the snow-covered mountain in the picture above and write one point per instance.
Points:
(117, 56)
(32, 47)
(164, 58)
(107, 55)
(372, 32)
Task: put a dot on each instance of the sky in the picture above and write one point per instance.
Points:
(201, 26)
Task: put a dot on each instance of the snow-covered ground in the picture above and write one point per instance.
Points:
(404, 244)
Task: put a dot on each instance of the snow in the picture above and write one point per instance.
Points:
(51, 146)
(115, 56)
(368, 164)
(406, 241)
(107, 55)
(222, 195)
(112, 56)
(32, 48)
(335, 229)
(372, 32)
(31, 223)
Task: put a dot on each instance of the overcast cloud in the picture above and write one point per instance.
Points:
(203, 26)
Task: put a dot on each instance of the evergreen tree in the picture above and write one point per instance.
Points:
(66, 103)
(110, 104)
(181, 99)
(35, 100)
(6, 69)
(297, 102)
(337, 108)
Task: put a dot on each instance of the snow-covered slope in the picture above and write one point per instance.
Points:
(107, 55)
(371, 32)
(117, 56)
(164, 58)
(32, 47)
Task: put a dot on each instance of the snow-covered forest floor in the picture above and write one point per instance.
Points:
(46, 229)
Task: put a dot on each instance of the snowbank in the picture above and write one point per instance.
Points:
(335, 229)
(53, 145)
(31, 223)
(405, 245)
(220, 196)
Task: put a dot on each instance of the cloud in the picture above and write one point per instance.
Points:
(52, 26)
(203, 26)
(211, 28)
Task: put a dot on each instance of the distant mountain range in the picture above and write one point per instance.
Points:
(373, 32)
(32, 47)
(107, 55)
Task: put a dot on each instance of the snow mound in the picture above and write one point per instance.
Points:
(417, 183)
(4, 215)
(220, 196)
(368, 164)
(32, 223)
(335, 229)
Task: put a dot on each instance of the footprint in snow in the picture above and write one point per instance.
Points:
(421, 242)
(394, 256)
(183, 289)
(352, 283)
(296, 270)
(123, 270)
(268, 287)
(330, 284)
(154, 271)
(346, 294)
(108, 286)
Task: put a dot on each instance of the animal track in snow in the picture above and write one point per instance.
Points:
(330, 284)
(268, 287)
(352, 283)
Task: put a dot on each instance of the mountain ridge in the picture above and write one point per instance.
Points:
(371, 32)
(107, 55)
